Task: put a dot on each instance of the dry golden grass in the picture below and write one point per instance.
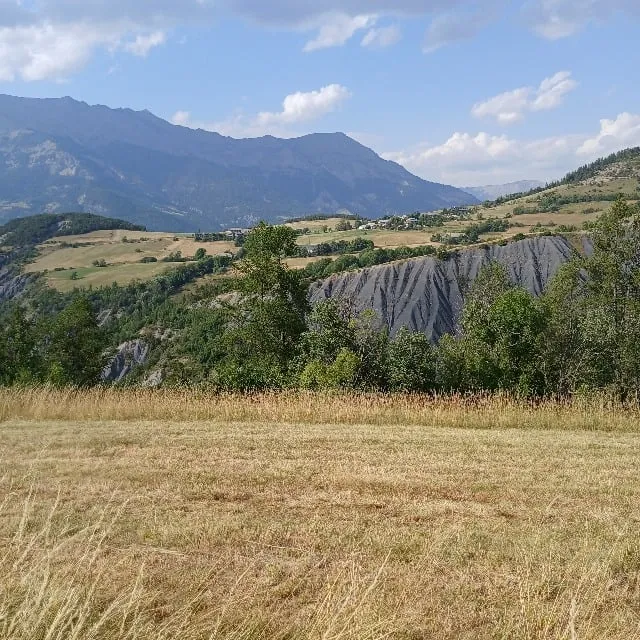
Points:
(469, 412)
(171, 514)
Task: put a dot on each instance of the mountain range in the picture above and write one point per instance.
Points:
(59, 155)
(493, 191)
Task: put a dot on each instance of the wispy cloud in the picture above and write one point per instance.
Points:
(382, 37)
(143, 43)
(511, 106)
(555, 19)
(456, 26)
(337, 29)
(52, 39)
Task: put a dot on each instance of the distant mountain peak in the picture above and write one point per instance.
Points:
(494, 191)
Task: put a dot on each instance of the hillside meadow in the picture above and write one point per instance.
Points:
(145, 514)
(121, 251)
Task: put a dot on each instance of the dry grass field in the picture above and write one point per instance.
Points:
(122, 257)
(175, 514)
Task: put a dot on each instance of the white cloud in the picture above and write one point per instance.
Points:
(39, 52)
(337, 29)
(181, 118)
(555, 19)
(477, 159)
(297, 108)
(143, 43)
(301, 107)
(616, 134)
(507, 107)
(382, 37)
(552, 91)
(510, 107)
(51, 39)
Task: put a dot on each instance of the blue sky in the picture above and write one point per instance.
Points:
(458, 91)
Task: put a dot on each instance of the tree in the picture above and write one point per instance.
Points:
(569, 355)
(74, 346)
(613, 291)
(410, 362)
(344, 225)
(262, 334)
(499, 348)
(19, 355)
(333, 329)
(340, 374)
(201, 253)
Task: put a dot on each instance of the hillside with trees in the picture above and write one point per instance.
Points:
(33, 230)
(580, 334)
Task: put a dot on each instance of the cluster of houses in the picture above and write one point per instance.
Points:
(234, 234)
(397, 222)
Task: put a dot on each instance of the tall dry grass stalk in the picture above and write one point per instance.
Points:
(475, 412)
(59, 583)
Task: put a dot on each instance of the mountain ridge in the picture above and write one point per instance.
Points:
(494, 191)
(69, 155)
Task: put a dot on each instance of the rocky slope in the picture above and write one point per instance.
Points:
(61, 155)
(12, 284)
(426, 294)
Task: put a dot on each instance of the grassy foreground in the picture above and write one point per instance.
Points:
(170, 514)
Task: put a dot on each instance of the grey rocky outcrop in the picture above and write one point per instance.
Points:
(426, 294)
(12, 285)
(128, 356)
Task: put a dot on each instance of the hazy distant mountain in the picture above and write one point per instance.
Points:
(493, 191)
(62, 155)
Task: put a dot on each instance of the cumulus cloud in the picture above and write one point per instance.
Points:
(297, 108)
(301, 107)
(39, 52)
(382, 37)
(482, 158)
(144, 43)
(552, 91)
(55, 38)
(510, 106)
(616, 134)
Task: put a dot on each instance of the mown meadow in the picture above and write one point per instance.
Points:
(182, 514)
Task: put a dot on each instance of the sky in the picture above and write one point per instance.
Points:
(458, 91)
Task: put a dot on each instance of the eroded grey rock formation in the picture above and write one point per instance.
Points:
(12, 285)
(426, 294)
(129, 355)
